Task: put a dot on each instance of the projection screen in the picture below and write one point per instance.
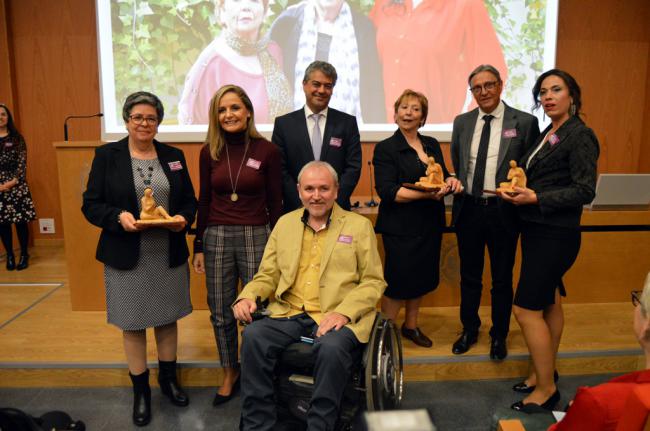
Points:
(183, 50)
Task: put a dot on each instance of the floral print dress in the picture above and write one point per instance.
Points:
(16, 205)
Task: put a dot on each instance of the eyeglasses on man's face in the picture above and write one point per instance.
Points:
(139, 119)
(488, 86)
(636, 297)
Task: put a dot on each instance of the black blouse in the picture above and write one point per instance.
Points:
(396, 163)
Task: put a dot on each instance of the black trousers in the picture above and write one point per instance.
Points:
(264, 341)
(480, 225)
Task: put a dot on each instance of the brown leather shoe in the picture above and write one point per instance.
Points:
(416, 336)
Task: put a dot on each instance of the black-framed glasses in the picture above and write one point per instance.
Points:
(488, 86)
(139, 119)
(636, 297)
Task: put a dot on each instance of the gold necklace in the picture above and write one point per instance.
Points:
(234, 196)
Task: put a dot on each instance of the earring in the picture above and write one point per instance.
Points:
(572, 109)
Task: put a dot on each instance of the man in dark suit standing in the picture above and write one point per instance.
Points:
(484, 141)
(318, 132)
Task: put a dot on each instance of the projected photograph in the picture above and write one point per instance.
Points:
(184, 50)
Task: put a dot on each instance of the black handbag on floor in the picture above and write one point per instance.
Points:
(17, 420)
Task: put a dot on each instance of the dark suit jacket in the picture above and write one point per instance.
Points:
(562, 175)
(511, 148)
(110, 191)
(286, 32)
(396, 163)
(291, 135)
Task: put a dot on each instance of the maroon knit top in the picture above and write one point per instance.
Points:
(258, 189)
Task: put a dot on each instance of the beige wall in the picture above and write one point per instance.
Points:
(49, 69)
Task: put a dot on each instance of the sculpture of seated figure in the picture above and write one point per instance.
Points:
(435, 177)
(517, 178)
(151, 211)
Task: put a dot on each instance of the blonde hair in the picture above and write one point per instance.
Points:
(216, 138)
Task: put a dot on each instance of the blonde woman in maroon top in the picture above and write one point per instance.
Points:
(240, 199)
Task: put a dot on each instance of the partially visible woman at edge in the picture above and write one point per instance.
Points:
(16, 206)
(561, 170)
(410, 221)
(145, 270)
(240, 199)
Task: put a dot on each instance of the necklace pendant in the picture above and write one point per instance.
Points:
(234, 197)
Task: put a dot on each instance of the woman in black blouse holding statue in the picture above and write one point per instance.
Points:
(410, 221)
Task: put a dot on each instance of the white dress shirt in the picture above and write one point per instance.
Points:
(496, 125)
(310, 125)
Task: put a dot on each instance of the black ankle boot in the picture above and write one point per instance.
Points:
(141, 399)
(11, 262)
(169, 383)
(23, 263)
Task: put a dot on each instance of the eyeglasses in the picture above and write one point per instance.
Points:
(488, 86)
(139, 119)
(636, 297)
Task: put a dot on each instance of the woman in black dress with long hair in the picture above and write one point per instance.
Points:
(16, 206)
(561, 170)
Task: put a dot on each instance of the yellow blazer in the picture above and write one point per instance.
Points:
(351, 277)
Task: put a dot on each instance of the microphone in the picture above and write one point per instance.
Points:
(372, 202)
(65, 123)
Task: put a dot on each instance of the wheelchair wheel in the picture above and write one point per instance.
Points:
(384, 372)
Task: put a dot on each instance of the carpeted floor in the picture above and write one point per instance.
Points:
(463, 406)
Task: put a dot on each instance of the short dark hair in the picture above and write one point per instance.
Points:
(571, 83)
(11, 126)
(323, 66)
(142, 98)
(484, 68)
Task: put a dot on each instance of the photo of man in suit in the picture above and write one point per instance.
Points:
(483, 142)
(318, 132)
(323, 275)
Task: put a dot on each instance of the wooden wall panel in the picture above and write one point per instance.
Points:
(6, 89)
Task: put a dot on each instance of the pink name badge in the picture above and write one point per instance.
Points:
(345, 239)
(510, 133)
(553, 139)
(336, 142)
(175, 166)
(252, 163)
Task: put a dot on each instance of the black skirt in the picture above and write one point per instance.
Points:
(412, 264)
(547, 253)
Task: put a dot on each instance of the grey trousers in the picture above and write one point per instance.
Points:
(264, 341)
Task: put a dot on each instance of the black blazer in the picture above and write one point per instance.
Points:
(291, 136)
(562, 175)
(510, 148)
(110, 191)
(395, 163)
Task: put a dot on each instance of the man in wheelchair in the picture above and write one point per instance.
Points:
(322, 275)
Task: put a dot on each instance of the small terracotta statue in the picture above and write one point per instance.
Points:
(151, 211)
(517, 178)
(434, 178)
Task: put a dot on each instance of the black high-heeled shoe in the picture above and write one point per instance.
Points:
(23, 263)
(221, 399)
(529, 408)
(11, 262)
(523, 388)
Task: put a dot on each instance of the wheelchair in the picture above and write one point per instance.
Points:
(376, 382)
